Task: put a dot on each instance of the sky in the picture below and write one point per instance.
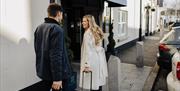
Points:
(172, 4)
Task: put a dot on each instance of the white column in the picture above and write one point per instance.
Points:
(156, 18)
(154, 21)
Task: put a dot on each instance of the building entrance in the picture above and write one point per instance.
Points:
(74, 12)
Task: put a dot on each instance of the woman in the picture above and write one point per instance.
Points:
(93, 55)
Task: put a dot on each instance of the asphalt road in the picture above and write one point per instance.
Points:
(160, 83)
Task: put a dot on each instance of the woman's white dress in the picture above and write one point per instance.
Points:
(95, 58)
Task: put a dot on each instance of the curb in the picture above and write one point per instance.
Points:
(151, 78)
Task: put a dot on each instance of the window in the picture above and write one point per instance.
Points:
(122, 23)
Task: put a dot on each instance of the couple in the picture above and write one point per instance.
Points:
(52, 63)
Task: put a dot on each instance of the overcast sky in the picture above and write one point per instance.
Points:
(172, 4)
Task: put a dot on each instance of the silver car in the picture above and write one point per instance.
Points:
(173, 78)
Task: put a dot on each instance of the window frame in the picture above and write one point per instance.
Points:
(122, 25)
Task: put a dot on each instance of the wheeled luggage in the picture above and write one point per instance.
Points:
(84, 72)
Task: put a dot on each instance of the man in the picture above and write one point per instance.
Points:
(52, 64)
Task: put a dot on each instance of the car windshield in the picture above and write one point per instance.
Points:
(176, 24)
(172, 37)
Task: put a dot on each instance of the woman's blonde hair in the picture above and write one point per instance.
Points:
(96, 30)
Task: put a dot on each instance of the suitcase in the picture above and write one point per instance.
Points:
(83, 80)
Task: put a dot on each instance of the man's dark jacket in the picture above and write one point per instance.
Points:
(52, 63)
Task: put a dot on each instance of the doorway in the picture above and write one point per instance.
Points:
(75, 10)
(75, 31)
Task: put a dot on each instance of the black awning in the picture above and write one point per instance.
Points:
(117, 3)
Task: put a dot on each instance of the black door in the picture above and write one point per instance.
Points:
(75, 10)
(75, 31)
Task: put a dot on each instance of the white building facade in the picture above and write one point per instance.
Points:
(126, 21)
(18, 21)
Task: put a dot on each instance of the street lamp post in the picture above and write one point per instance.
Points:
(110, 46)
(139, 44)
(140, 27)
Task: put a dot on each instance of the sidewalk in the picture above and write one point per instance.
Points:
(133, 78)
(145, 80)
(150, 51)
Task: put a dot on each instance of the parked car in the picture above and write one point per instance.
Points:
(172, 40)
(176, 24)
(173, 24)
(167, 50)
(173, 78)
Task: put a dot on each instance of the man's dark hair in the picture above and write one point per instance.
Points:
(53, 9)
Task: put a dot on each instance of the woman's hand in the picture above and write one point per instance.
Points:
(86, 69)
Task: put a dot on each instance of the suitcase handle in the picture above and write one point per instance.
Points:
(83, 79)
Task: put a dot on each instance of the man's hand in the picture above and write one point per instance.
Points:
(57, 85)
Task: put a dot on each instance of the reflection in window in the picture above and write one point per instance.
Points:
(122, 23)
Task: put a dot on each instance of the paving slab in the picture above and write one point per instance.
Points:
(133, 78)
